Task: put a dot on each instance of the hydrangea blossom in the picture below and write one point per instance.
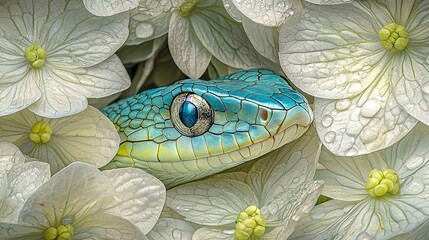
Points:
(80, 202)
(367, 65)
(18, 180)
(55, 54)
(266, 202)
(375, 196)
(88, 136)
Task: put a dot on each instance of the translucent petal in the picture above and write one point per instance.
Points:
(17, 231)
(64, 91)
(109, 7)
(272, 13)
(170, 228)
(156, 7)
(10, 155)
(85, 40)
(207, 233)
(223, 37)
(188, 52)
(329, 2)
(365, 123)
(285, 168)
(345, 177)
(145, 27)
(332, 51)
(211, 202)
(139, 197)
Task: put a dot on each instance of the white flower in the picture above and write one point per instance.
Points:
(55, 54)
(80, 202)
(370, 203)
(267, 201)
(367, 64)
(88, 137)
(18, 180)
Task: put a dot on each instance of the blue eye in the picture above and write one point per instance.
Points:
(190, 114)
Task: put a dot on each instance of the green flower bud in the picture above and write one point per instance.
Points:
(381, 182)
(249, 224)
(393, 37)
(41, 132)
(62, 232)
(35, 55)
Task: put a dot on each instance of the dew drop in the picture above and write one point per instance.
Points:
(327, 120)
(414, 187)
(370, 108)
(364, 236)
(330, 137)
(425, 88)
(295, 180)
(273, 208)
(368, 135)
(366, 68)
(144, 30)
(343, 104)
(177, 234)
(347, 208)
(354, 87)
(414, 163)
(352, 152)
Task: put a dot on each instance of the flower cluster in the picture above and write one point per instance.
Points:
(364, 66)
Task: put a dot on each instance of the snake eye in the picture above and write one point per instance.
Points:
(190, 114)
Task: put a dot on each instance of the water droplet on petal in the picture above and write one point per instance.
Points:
(273, 208)
(144, 30)
(368, 135)
(330, 136)
(370, 108)
(352, 152)
(364, 236)
(354, 87)
(177, 234)
(295, 180)
(414, 163)
(327, 120)
(343, 104)
(414, 187)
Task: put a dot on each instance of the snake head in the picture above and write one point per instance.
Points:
(194, 128)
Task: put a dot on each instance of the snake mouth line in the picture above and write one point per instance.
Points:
(201, 167)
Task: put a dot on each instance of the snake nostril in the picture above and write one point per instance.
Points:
(263, 113)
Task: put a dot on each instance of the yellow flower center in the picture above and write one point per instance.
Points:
(40, 132)
(381, 182)
(249, 224)
(35, 55)
(393, 37)
(62, 232)
(185, 9)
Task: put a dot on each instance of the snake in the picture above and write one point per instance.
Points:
(195, 128)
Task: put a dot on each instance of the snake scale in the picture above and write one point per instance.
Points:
(195, 128)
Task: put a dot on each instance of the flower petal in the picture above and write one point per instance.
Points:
(206, 233)
(223, 37)
(332, 51)
(156, 7)
(170, 228)
(106, 226)
(16, 231)
(76, 38)
(139, 197)
(211, 202)
(109, 7)
(145, 27)
(365, 123)
(272, 13)
(10, 155)
(345, 177)
(285, 168)
(64, 91)
(329, 2)
(74, 192)
(187, 51)
(21, 181)
(88, 137)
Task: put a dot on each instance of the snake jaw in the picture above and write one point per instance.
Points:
(254, 112)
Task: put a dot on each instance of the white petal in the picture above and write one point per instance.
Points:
(109, 7)
(421, 232)
(187, 51)
(238, 176)
(411, 82)
(139, 197)
(134, 54)
(264, 39)
(145, 27)
(75, 192)
(223, 37)
(233, 10)
(170, 228)
(206, 233)
(272, 13)
(285, 168)
(345, 177)
(106, 226)
(10, 155)
(211, 202)
(156, 7)
(329, 2)
(77, 38)
(332, 51)
(365, 123)
(21, 181)
(16, 231)
(88, 137)
(64, 91)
